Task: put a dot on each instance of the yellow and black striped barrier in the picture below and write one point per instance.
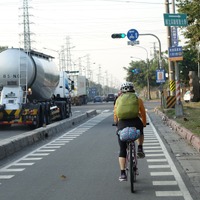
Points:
(172, 85)
(171, 101)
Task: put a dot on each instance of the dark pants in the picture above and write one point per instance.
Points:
(137, 123)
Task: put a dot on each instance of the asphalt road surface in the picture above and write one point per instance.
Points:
(82, 164)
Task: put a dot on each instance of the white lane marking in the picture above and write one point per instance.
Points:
(158, 166)
(39, 154)
(51, 147)
(28, 158)
(149, 144)
(178, 178)
(152, 151)
(155, 155)
(23, 164)
(169, 193)
(149, 147)
(64, 139)
(150, 141)
(57, 143)
(157, 160)
(165, 183)
(6, 176)
(12, 170)
(45, 150)
(161, 173)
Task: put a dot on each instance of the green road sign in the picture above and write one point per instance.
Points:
(175, 19)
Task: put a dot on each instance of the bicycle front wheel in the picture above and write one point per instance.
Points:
(132, 171)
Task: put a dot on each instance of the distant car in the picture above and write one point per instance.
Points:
(187, 96)
(97, 99)
(110, 97)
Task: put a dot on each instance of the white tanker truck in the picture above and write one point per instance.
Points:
(32, 91)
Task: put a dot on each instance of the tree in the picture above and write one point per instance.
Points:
(192, 9)
(140, 79)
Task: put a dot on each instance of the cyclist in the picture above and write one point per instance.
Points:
(139, 122)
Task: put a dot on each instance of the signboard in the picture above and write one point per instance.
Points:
(175, 19)
(132, 43)
(160, 76)
(132, 35)
(174, 36)
(175, 53)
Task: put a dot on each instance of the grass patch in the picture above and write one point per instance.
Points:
(191, 118)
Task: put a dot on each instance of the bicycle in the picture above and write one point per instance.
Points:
(129, 135)
(131, 163)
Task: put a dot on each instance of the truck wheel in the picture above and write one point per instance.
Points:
(36, 122)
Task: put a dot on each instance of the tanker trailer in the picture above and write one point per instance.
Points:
(28, 81)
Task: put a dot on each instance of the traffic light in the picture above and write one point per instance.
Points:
(118, 35)
(135, 71)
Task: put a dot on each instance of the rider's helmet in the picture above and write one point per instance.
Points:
(127, 87)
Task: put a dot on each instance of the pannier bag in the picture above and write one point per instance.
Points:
(129, 134)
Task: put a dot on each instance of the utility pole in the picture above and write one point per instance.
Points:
(170, 64)
(178, 105)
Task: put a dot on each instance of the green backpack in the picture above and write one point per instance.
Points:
(127, 106)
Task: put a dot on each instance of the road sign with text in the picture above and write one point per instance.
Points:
(175, 19)
(175, 53)
(174, 36)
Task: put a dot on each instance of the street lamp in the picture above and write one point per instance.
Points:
(60, 58)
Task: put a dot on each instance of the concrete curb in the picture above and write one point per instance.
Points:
(182, 131)
(11, 145)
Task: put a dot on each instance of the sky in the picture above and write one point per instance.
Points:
(88, 25)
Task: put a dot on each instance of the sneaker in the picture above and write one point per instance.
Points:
(140, 153)
(123, 177)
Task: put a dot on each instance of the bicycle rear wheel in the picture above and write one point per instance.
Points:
(132, 168)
